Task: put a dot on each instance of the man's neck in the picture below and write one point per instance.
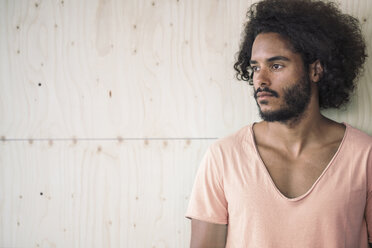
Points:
(295, 136)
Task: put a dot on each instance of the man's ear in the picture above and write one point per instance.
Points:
(315, 71)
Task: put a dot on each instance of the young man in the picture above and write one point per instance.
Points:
(296, 179)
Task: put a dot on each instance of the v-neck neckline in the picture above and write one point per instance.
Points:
(300, 197)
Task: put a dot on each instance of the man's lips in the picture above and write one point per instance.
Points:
(264, 94)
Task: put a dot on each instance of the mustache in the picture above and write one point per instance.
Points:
(272, 92)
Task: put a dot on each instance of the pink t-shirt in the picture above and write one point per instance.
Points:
(233, 187)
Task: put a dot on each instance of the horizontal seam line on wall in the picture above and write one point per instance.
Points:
(102, 139)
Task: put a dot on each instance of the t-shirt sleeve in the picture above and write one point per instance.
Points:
(207, 200)
(368, 212)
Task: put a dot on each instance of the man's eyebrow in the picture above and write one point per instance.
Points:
(275, 58)
(278, 58)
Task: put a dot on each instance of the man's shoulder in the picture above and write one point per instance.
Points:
(234, 139)
(358, 137)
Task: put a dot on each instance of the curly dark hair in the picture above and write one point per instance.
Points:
(318, 31)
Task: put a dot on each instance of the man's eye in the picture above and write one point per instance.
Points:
(277, 67)
(255, 68)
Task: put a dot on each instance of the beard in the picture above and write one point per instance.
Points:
(296, 99)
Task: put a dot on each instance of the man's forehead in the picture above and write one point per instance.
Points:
(270, 45)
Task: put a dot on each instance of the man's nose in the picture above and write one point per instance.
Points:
(261, 78)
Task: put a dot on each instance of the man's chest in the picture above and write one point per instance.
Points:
(293, 177)
(273, 183)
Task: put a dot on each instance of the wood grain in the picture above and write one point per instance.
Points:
(96, 194)
(130, 68)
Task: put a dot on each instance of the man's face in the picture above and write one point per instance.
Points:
(282, 89)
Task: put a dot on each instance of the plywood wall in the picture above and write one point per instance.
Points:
(106, 108)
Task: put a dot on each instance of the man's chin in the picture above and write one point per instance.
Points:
(279, 115)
